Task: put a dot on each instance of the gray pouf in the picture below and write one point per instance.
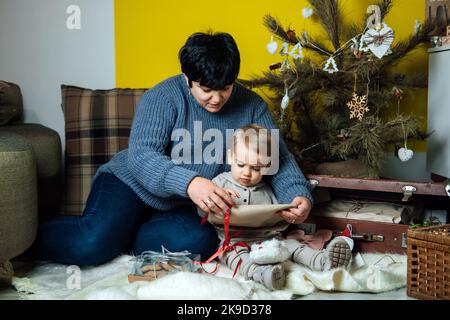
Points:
(47, 152)
(18, 196)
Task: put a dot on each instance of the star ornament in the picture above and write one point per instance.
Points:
(358, 106)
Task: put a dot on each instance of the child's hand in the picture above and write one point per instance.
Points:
(231, 192)
(301, 206)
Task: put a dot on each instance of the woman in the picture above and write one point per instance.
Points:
(144, 199)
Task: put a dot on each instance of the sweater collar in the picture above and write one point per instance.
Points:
(227, 176)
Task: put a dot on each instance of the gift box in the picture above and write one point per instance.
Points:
(152, 265)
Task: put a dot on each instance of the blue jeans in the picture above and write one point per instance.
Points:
(117, 221)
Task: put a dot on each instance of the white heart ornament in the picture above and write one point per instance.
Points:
(272, 46)
(379, 41)
(405, 154)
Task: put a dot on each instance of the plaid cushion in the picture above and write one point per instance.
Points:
(97, 126)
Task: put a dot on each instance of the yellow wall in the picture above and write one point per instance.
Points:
(149, 34)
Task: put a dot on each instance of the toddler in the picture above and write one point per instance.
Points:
(245, 183)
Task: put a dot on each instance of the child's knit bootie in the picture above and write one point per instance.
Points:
(338, 253)
(272, 276)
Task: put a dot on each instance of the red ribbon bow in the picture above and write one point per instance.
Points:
(227, 245)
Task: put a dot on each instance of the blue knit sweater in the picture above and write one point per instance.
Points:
(146, 166)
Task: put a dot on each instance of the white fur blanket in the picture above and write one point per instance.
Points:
(369, 273)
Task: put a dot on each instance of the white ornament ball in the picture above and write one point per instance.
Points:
(405, 154)
(307, 12)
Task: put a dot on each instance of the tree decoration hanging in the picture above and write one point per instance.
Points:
(307, 12)
(297, 51)
(330, 66)
(272, 46)
(358, 106)
(403, 153)
(379, 40)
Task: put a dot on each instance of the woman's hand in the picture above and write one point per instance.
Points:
(209, 197)
(300, 211)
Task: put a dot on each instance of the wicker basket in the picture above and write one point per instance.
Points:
(429, 262)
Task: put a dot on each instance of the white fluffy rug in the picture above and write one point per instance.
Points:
(369, 273)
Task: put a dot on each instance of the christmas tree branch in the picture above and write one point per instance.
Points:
(275, 28)
(330, 19)
(385, 8)
(353, 29)
(281, 34)
(269, 79)
(416, 81)
(393, 129)
(402, 48)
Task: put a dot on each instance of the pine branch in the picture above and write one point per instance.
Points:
(352, 29)
(393, 129)
(277, 29)
(269, 79)
(402, 48)
(385, 7)
(330, 19)
(367, 141)
(414, 81)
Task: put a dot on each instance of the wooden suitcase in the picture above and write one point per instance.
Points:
(371, 236)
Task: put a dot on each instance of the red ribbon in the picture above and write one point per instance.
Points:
(205, 218)
(227, 245)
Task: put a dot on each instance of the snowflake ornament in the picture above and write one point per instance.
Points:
(358, 106)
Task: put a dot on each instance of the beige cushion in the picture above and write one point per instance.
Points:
(18, 196)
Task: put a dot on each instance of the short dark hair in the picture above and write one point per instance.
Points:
(212, 59)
